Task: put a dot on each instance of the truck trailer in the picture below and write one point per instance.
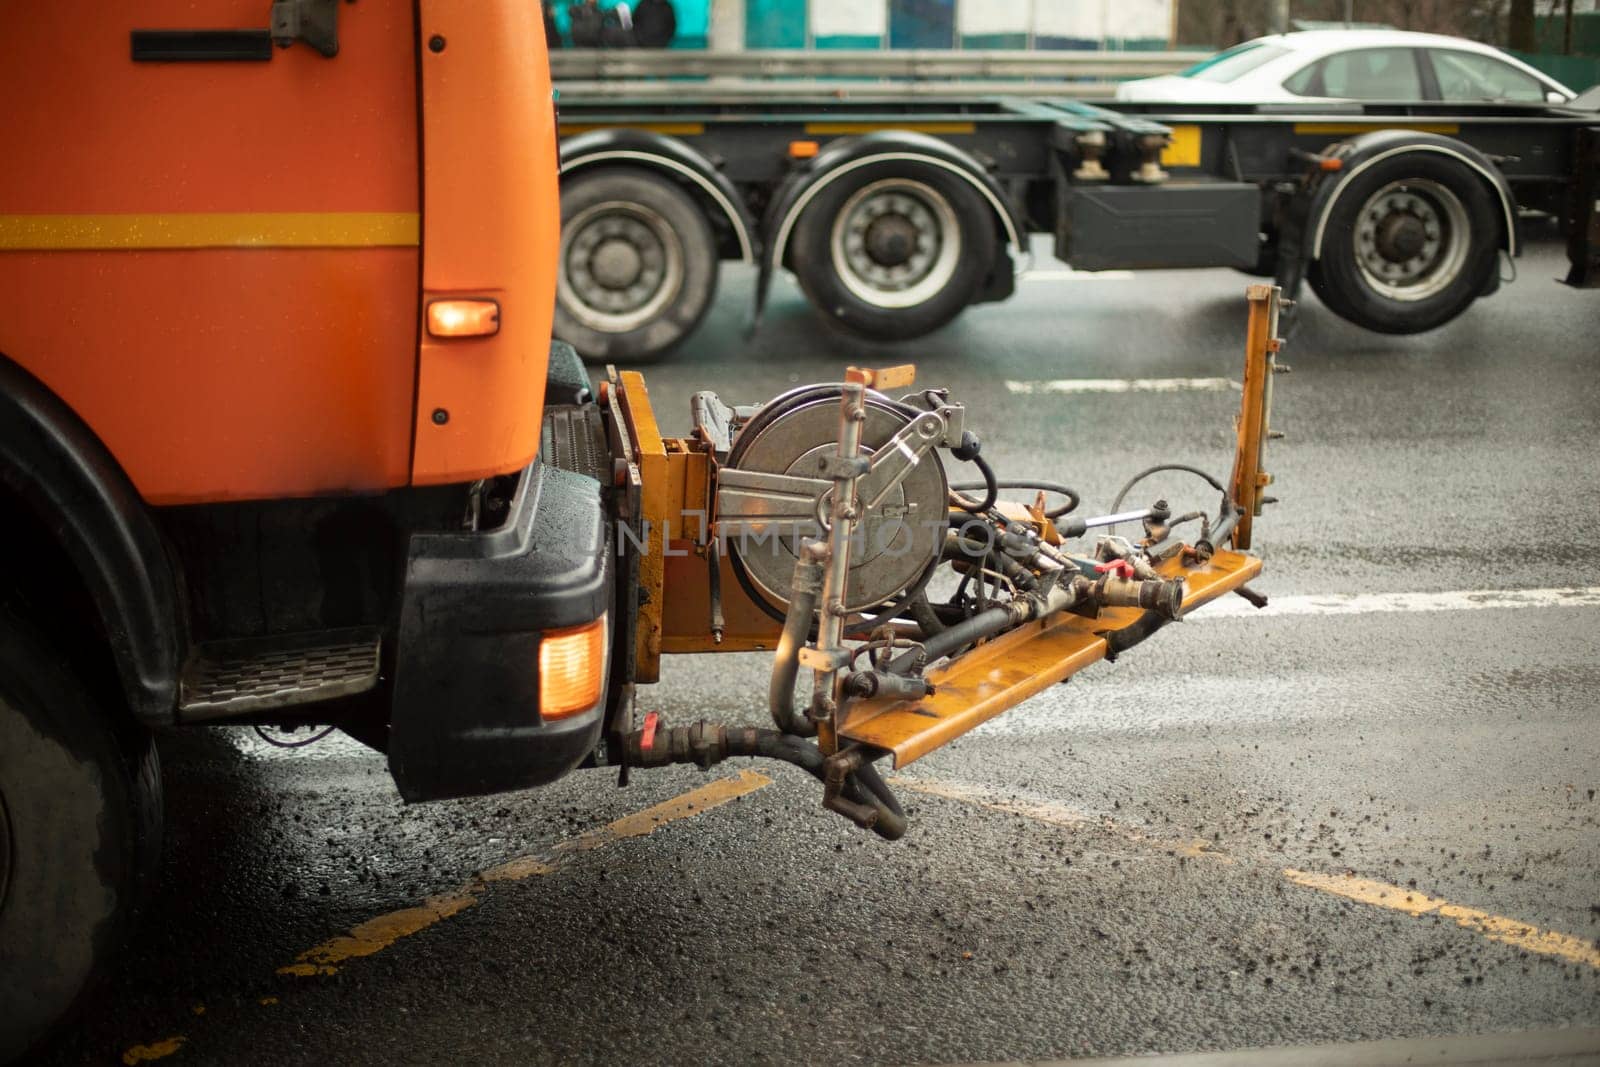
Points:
(896, 212)
(285, 440)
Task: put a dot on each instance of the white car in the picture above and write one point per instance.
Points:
(1340, 65)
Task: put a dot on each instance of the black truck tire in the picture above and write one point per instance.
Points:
(894, 250)
(638, 267)
(80, 831)
(1408, 245)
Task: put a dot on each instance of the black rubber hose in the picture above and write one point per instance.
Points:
(1073, 498)
(984, 624)
(925, 617)
(891, 824)
(991, 487)
(1116, 505)
(705, 745)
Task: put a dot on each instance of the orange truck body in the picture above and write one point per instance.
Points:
(222, 267)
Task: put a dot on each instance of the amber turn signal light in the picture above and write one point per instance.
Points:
(572, 667)
(463, 318)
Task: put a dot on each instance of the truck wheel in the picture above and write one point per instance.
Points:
(894, 251)
(1408, 245)
(638, 265)
(80, 828)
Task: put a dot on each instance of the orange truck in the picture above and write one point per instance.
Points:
(285, 439)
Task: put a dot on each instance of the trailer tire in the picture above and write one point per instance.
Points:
(638, 266)
(895, 250)
(1408, 244)
(80, 830)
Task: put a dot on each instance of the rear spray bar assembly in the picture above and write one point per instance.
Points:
(830, 508)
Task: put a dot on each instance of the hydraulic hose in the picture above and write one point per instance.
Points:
(706, 744)
(804, 589)
(991, 486)
(1073, 498)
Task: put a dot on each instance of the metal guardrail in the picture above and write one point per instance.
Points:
(650, 72)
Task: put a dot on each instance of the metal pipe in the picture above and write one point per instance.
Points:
(804, 589)
(845, 512)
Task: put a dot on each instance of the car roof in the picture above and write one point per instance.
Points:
(1309, 41)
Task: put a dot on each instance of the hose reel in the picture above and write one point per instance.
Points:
(775, 489)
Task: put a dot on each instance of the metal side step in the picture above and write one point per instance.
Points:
(574, 439)
(228, 679)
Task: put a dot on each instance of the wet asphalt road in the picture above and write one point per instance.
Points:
(1133, 862)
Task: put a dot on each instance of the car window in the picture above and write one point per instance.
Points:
(1469, 76)
(1236, 61)
(1364, 74)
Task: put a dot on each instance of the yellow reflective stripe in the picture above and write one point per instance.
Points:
(238, 229)
(831, 128)
(1341, 128)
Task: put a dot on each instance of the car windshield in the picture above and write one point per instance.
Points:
(1236, 61)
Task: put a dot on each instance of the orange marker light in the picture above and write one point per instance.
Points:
(572, 666)
(803, 149)
(463, 318)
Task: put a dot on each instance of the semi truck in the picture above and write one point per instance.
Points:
(285, 440)
(896, 212)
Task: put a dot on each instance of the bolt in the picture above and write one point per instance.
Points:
(436, 43)
(440, 416)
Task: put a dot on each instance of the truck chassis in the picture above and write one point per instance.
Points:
(897, 214)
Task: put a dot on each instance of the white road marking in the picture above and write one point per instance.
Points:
(1382, 603)
(1122, 385)
(1077, 276)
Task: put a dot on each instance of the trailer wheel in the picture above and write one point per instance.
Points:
(638, 266)
(894, 251)
(1408, 245)
(80, 828)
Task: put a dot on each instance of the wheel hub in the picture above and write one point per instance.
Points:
(616, 264)
(1401, 237)
(895, 243)
(891, 240)
(1411, 239)
(620, 265)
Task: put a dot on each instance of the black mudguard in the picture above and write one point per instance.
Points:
(797, 190)
(67, 479)
(679, 161)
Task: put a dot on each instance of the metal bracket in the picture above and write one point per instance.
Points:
(316, 22)
(815, 659)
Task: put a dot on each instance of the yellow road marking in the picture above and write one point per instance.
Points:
(237, 229)
(156, 1050)
(379, 933)
(1340, 128)
(1047, 811)
(1507, 931)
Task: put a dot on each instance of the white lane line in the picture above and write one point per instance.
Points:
(1383, 603)
(1122, 385)
(1077, 276)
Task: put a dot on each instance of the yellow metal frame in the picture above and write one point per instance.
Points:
(1255, 408)
(675, 614)
(999, 674)
(676, 476)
